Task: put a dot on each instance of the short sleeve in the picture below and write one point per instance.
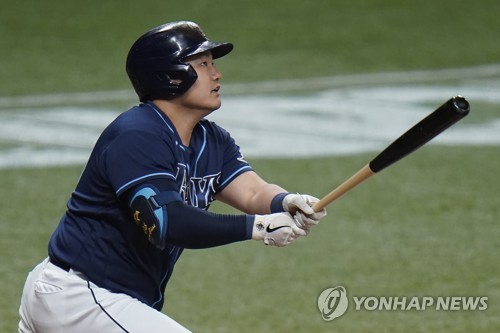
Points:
(234, 163)
(135, 156)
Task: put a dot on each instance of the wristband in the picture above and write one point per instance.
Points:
(277, 203)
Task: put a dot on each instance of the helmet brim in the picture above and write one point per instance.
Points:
(217, 49)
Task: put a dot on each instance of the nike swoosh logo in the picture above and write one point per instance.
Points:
(269, 229)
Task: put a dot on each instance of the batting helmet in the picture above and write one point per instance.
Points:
(155, 62)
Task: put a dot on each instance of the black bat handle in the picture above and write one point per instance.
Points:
(443, 117)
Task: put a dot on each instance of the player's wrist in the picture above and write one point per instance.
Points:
(277, 203)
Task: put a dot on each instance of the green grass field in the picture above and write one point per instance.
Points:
(427, 226)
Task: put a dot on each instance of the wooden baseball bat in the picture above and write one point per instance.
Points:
(442, 118)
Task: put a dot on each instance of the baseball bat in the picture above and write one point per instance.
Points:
(442, 118)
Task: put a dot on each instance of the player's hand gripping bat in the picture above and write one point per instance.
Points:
(443, 117)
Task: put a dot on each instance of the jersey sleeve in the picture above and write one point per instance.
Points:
(234, 163)
(137, 156)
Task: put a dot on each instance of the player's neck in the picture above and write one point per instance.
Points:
(184, 120)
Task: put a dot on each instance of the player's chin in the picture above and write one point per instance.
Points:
(216, 103)
(209, 108)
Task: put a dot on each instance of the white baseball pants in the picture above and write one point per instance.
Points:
(56, 301)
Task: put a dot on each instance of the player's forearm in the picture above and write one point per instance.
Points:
(249, 193)
(260, 202)
(191, 227)
(255, 201)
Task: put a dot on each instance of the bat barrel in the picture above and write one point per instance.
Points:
(443, 117)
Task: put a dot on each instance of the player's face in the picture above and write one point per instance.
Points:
(204, 93)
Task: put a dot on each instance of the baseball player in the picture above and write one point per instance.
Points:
(144, 194)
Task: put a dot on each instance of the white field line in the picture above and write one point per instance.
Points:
(278, 86)
(343, 116)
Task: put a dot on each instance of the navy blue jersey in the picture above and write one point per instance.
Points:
(97, 235)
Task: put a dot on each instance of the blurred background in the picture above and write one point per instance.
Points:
(55, 46)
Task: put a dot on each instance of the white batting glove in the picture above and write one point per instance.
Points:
(278, 229)
(300, 205)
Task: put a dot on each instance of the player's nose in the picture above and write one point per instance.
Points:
(216, 74)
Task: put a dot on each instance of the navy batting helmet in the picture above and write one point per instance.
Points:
(155, 61)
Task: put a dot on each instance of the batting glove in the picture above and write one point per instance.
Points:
(279, 229)
(300, 205)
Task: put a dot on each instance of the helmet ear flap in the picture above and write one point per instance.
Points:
(177, 82)
(178, 79)
(164, 84)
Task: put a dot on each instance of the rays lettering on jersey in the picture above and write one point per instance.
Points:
(196, 191)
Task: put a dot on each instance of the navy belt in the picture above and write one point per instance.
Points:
(60, 264)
